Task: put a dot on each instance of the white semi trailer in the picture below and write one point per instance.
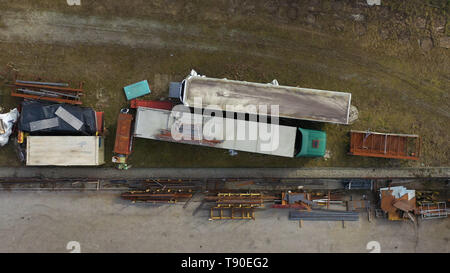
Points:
(227, 133)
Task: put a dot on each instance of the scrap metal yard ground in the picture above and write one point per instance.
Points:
(43, 221)
(47, 221)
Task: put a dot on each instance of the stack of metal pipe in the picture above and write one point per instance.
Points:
(51, 91)
(323, 215)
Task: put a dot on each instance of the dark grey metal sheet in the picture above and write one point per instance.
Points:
(174, 90)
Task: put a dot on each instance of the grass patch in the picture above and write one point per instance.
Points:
(399, 93)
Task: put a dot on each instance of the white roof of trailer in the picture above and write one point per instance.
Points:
(63, 150)
(294, 102)
(150, 122)
(233, 134)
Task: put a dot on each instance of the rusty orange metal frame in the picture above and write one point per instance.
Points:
(246, 213)
(78, 91)
(122, 144)
(385, 145)
(165, 105)
(26, 96)
(58, 88)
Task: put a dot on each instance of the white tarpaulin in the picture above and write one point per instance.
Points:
(8, 121)
(399, 191)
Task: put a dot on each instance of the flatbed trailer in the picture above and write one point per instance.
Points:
(399, 146)
(293, 102)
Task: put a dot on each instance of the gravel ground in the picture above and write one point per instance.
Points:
(203, 173)
(46, 222)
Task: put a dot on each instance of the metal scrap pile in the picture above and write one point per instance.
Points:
(308, 200)
(160, 191)
(295, 200)
(431, 205)
(39, 120)
(236, 206)
(49, 91)
(398, 202)
(157, 196)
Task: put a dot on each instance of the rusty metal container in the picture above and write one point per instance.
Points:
(387, 145)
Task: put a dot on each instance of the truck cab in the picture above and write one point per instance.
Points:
(310, 143)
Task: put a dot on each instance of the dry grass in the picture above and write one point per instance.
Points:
(396, 88)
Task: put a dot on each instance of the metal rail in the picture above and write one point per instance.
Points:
(36, 184)
(57, 92)
(165, 196)
(44, 83)
(433, 210)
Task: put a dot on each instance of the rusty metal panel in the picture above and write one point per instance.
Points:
(164, 105)
(99, 121)
(123, 134)
(405, 205)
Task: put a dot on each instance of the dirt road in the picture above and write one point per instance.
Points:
(56, 27)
